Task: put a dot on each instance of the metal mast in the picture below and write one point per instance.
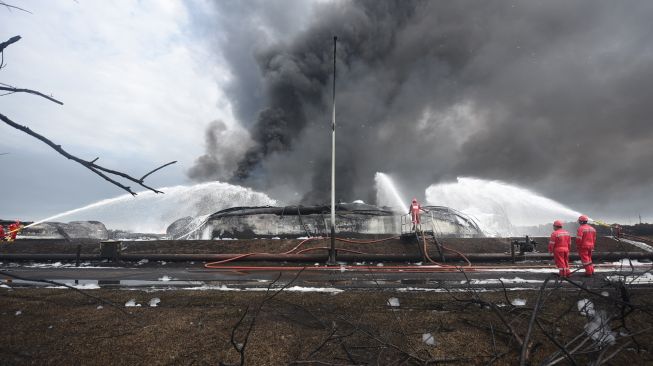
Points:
(332, 251)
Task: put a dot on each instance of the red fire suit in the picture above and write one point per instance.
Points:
(559, 245)
(415, 207)
(585, 239)
(13, 231)
(2, 233)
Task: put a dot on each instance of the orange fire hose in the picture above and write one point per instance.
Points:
(436, 267)
(440, 266)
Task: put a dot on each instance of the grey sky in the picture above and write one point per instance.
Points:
(139, 83)
(553, 96)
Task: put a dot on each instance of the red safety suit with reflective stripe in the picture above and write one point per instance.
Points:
(559, 245)
(13, 231)
(414, 212)
(585, 239)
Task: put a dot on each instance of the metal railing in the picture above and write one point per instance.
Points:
(407, 226)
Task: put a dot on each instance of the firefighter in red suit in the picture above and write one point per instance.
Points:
(13, 230)
(559, 245)
(414, 210)
(2, 233)
(585, 239)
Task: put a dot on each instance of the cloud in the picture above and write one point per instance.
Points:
(133, 77)
(139, 83)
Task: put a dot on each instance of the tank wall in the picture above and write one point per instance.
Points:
(292, 226)
(269, 225)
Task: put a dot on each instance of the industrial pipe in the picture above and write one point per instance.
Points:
(48, 257)
(476, 257)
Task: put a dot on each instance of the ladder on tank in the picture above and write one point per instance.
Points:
(423, 237)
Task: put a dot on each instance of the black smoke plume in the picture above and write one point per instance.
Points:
(552, 95)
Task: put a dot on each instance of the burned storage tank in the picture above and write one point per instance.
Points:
(448, 222)
(352, 220)
(67, 231)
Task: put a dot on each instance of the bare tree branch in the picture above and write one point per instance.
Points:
(90, 165)
(554, 341)
(4, 45)
(154, 170)
(240, 348)
(9, 7)
(525, 346)
(12, 90)
(8, 42)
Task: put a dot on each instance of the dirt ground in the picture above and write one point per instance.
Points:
(61, 326)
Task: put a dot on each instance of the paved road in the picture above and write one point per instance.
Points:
(194, 276)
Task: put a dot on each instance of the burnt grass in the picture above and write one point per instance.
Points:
(57, 326)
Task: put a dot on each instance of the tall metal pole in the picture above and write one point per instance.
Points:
(332, 250)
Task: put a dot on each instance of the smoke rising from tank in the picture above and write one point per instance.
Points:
(224, 146)
(550, 95)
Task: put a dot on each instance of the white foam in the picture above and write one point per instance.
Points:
(494, 281)
(428, 339)
(132, 303)
(634, 262)
(193, 225)
(586, 307)
(518, 302)
(632, 279)
(638, 244)
(314, 289)
(387, 193)
(149, 212)
(462, 289)
(598, 328)
(259, 289)
(84, 286)
(85, 265)
(497, 206)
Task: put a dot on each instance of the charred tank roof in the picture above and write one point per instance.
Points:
(341, 208)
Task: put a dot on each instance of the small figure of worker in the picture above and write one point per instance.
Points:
(585, 239)
(2, 233)
(414, 210)
(616, 231)
(13, 230)
(559, 245)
